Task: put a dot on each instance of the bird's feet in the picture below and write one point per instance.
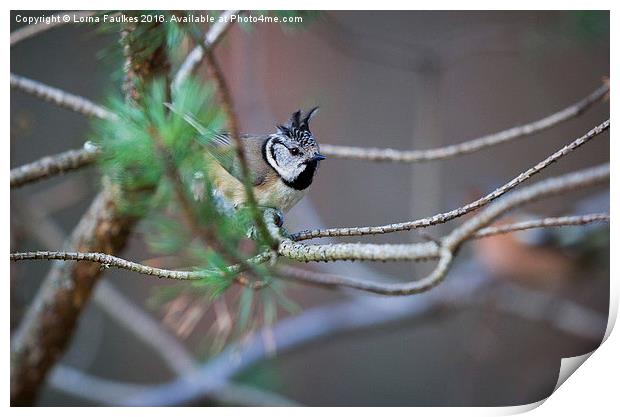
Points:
(278, 218)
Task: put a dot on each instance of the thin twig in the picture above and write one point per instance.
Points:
(82, 158)
(551, 186)
(452, 214)
(212, 37)
(54, 165)
(60, 98)
(546, 222)
(225, 97)
(53, 21)
(84, 106)
(449, 244)
(110, 261)
(418, 251)
(394, 155)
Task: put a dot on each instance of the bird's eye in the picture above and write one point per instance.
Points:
(295, 151)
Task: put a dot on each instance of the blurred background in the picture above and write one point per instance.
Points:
(407, 80)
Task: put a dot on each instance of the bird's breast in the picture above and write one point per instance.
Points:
(278, 195)
(272, 192)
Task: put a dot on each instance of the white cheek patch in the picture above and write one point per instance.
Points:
(284, 163)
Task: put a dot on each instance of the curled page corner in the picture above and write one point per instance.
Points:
(568, 366)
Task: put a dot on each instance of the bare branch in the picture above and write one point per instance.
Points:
(394, 155)
(330, 280)
(110, 261)
(552, 186)
(60, 98)
(444, 217)
(342, 317)
(358, 251)
(330, 252)
(55, 20)
(88, 108)
(112, 393)
(546, 222)
(223, 91)
(54, 165)
(449, 244)
(212, 37)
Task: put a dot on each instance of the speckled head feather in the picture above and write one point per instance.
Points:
(298, 127)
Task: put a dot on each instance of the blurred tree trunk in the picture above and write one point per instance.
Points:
(51, 319)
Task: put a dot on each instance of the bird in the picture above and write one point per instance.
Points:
(281, 165)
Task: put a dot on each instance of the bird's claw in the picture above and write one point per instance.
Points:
(278, 217)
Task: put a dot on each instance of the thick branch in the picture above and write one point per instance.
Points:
(60, 98)
(358, 251)
(452, 214)
(394, 155)
(53, 165)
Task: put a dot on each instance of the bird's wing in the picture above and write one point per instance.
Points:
(219, 145)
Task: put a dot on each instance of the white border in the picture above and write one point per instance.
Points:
(592, 388)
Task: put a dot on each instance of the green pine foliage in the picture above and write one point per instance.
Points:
(133, 160)
(157, 160)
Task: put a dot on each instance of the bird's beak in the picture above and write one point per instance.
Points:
(318, 157)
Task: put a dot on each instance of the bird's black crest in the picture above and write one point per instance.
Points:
(298, 126)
